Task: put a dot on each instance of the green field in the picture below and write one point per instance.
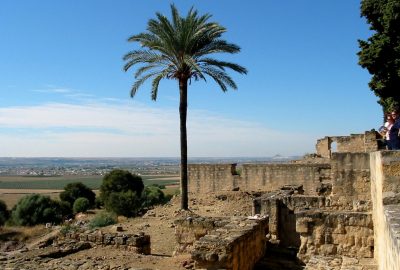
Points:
(59, 182)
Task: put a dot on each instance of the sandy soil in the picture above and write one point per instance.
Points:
(158, 223)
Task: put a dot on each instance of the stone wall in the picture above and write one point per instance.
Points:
(268, 177)
(205, 178)
(138, 243)
(334, 233)
(385, 187)
(354, 143)
(351, 182)
(238, 245)
(190, 229)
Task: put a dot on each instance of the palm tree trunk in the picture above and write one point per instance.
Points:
(184, 169)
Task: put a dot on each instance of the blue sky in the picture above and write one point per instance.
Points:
(63, 91)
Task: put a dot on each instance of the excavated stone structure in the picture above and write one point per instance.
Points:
(333, 203)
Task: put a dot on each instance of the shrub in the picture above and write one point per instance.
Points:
(124, 203)
(81, 205)
(36, 209)
(68, 228)
(153, 195)
(98, 203)
(103, 219)
(65, 207)
(3, 213)
(77, 190)
(120, 192)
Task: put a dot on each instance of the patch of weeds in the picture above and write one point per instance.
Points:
(103, 219)
(67, 228)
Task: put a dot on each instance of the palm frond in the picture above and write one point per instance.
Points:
(179, 48)
(222, 65)
(142, 56)
(194, 67)
(140, 81)
(217, 46)
(220, 76)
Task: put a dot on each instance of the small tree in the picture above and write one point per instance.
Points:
(36, 209)
(81, 205)
(3, 213)
(77, 190)
(121, 191)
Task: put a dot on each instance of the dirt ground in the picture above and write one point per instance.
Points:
(158, 223)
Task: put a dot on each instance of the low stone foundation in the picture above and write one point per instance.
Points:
(234, 244)
(138, 243)
(190, 229)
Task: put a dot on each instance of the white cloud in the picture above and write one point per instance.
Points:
(131, 129)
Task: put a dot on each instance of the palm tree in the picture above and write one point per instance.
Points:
(179, 49)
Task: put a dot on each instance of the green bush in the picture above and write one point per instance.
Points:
(124, 203)
(81, 205)
(153, 195)
(65, 207)
(120, 192)
(77, 190)
(36, 209)
(3, 213)
(103, 219)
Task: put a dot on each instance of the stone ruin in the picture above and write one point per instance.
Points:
(340, 205)
(341, 201)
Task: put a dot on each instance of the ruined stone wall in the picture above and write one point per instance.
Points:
(335, 233)
(238, 245)
(190, 229)
(206, 178)
(385, 186)
(268, 177)
(138, 243)
(323, 147)
(351, 188)
(354, 143)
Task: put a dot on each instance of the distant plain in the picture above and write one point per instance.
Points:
(13, 188)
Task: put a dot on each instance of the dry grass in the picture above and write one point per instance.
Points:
(21, 233)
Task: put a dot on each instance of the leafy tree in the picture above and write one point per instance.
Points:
(76, 190)
(380, 54)
(120, 192)
(36, 209)
(180, 49)
(3, 212)
(81, 205)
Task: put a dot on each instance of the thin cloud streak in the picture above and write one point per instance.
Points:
(128, 130)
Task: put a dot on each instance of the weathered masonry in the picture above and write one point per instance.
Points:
(336, 203)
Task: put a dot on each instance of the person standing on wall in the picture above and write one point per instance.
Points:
(394, 131)
(388, 126)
